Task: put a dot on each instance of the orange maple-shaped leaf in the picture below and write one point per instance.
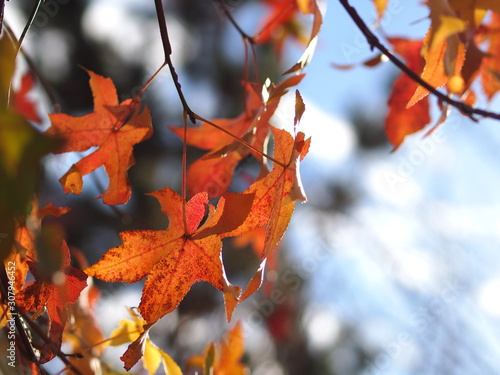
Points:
(275, 197)
(54, 295)
(175, 258)
(113, 127)
(226, 361)
(276, 193)
(402, 121)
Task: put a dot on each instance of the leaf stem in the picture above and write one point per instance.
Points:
(234, 23)
(375, 43)
(148, 82)
(31, 18)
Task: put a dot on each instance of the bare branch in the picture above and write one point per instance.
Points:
(375, 43)
(167, 48)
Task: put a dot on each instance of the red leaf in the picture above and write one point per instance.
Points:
(173, 259)
(22, 104)
(54, 296)
(401, 121)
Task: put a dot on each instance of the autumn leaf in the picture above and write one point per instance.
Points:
(275, 196)
(83, 333)
(175, 258)
(54, 295)
(438, 68)
(402, 121)
(136, 330)
(22, 104)
(213, 172)
(276, 193)
(473, 11)
(490, 70)
(113, 127)
(380, 5)
(256, 240)
(444, 22)
(214, 175)
(280, 24)
(308, 7)
(225, 360)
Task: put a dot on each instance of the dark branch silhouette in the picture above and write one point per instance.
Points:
(375, 43)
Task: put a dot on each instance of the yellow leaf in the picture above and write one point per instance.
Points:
(126, 332)
(136, 331)
(151, 358)
(444, 23)
(380, 5)
(170, 366)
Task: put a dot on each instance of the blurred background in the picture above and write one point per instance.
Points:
(390, 268)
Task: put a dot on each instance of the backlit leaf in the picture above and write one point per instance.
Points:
(53, 295)
(226, 358)
(172, 259)
(114, 128)
(136, 331)
(402, 121)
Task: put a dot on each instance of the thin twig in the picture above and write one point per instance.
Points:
(187, 111)
(375, 43)
(238, 139)
(43, 336)
(31, 18)
(167, 49)
(233, 22)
